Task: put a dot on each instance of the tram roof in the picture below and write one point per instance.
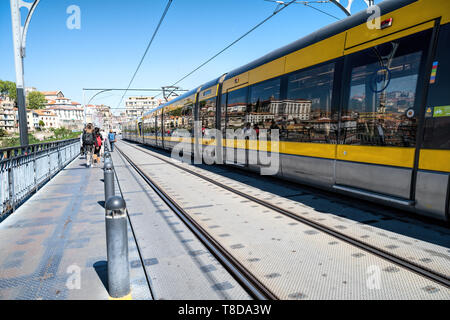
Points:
(321, 34)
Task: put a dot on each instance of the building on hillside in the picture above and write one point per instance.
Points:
(116, 122)
(7, 114)
(99, 115)
(137, 106)
(69, 117)
(52, 95)
(49, 118)
(59, 102)
(104, 117)
(32, 119)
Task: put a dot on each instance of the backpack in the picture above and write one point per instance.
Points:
(88, 138)
(98, 141)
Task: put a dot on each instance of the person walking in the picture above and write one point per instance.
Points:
(112, 139)
(88, 143)
(82, 151)
(98, 141)
(104, 138)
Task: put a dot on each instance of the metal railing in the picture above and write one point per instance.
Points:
(23, 170)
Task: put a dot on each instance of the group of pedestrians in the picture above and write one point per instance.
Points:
(93, 144)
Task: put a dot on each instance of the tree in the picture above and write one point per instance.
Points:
(8, 88)
(41, 124)
(36, 100)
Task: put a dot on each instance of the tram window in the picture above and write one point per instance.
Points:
(207, 114)
(172, 120)
(437, 119)
(306, 114)
(381, 104)
(236, 109)
(149, 127)
(186, 120)
(169, 122)
(264, 104)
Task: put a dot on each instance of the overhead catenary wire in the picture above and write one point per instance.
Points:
(146, 50)
(233, 43)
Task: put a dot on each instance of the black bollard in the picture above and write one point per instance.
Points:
(108, 177)
(107, 157)
(117, 249)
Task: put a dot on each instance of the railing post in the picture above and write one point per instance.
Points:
(117, 249)
(59, 157)
(12, 197)
(49, 163)
(35, 168)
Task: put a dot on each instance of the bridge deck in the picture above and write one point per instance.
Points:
(57, 235)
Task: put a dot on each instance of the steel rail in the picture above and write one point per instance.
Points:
(244, 277)
(426, 273)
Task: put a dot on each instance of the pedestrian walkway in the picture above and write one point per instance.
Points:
(53, 247)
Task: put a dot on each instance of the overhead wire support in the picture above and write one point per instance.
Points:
(146, 50)
(278, 10)
(308, 4)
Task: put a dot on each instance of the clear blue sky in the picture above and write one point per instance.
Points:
(115, 33)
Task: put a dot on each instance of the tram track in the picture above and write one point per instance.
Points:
(243, 276)
(399, 261)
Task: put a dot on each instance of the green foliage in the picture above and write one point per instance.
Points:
(41, 124)
(58, 134)
(3, 133)
(36, 100)
(176, 112)
(8, 88)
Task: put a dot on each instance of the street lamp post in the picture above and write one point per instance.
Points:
(19, 40)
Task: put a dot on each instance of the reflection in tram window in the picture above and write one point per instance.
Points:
(381, 104)
(306, 115)
(236, 109)
(180, 117)
(187, 118)
(264, 104)
(207, 114)
(149, 126)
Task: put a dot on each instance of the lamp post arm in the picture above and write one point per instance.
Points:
(31, 7)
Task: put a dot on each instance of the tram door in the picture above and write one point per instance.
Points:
(381, 107)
